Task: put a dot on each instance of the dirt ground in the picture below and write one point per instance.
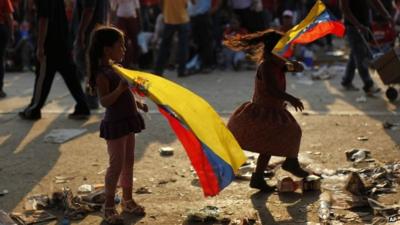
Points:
(32, 165)
(333, 122)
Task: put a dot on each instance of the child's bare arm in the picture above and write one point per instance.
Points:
(107, 97)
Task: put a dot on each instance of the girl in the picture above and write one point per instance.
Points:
(264, 125)
(121, 118)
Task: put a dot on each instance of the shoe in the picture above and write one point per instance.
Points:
(350, 87)
(372, 90)
(132, 207)
(292, 165)
(25, 115)
(257, 181)
(79, 116)
(111, 216)
(2, 94)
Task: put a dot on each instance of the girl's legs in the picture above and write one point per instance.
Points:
(115, 149)
(292, 165)
(257, 178)
(126, 178)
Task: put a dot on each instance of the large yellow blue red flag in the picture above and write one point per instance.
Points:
(318, 23)
(210, 146)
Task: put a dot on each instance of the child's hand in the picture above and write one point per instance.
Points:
(297, 104)
(123, 85)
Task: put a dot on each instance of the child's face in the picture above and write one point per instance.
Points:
(118, 51)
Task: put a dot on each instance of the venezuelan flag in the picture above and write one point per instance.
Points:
(210, 146)
(318, 23)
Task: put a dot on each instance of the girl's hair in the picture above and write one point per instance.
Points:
(101, 37)
(256, 45)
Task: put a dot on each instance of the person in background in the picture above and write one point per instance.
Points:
(287, 21)
(6, 33)
(87, 14)
(176, 19)
(201, 27)
(357, 21)
(53, 55)
(149, 10)
(128, 20)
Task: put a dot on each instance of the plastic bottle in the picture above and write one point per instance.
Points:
(324, 210)
(65, 221)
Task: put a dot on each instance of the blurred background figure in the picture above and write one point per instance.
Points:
(6, 33)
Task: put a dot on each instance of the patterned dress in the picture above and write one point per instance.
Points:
(264, 125)
(122, 117)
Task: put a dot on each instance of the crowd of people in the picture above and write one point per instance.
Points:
(201, 26)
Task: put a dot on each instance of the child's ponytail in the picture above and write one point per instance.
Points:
(255, 44)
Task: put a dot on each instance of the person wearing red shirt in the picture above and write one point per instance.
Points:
(6, 31)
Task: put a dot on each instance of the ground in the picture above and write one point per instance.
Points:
(331, 123)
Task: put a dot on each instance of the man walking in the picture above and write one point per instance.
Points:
(357, 21)
(54, 54)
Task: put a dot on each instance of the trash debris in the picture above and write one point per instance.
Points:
(166, 151)
(31, 217)
(342, 200)
(207, 214)
(357, 155)
(324, 210)
(62, 179)
(286, 184)
(172, 180)
(37, 202)
(59, 136)
(322, 73)
(246, 171)
(143, 190)
(3, 192)
(305, 81)
(5, 219)
(383, 210)
(96, 197)
(65, 221)
(355, 185)
(85, 188)
(362, 138)
(311, 183)
(361, 99)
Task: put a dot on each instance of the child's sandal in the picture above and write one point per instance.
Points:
(111, 216)
(132, 207)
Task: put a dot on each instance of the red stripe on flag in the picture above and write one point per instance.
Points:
(199, 160)
(320, 30)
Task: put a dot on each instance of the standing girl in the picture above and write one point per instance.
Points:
(264, 125)
(121, 118)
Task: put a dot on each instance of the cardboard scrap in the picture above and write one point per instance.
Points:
(32, 217)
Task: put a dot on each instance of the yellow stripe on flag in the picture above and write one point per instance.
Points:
(201, 118)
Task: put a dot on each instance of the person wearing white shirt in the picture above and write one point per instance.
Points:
(128, 20)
